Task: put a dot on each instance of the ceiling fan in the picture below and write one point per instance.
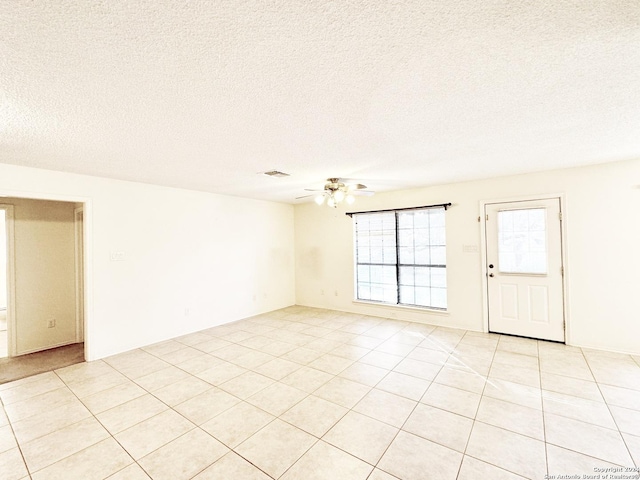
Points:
(336, 191)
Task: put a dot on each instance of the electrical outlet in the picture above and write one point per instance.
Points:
(187, 311)
(51, 323)
(336, 293)
(321, 292)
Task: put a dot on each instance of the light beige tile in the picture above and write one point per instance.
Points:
(351, 352)
(591, 440)
(128, 414)
(25, 380)
(163, 348)
(132, 472)
(307, 379)
(473, 469)
(83, 371)
(564, 365)
(207, 405)
(276, 447)
(46, 422)
(212, 345)
(182, 390)
(440, 426)
(238, 423)
(436, 357)
(562, 461)
(136, 363)
(578, 409)
(342, 392)
(464, 380)
(4, 420)
(366, 374)
(7, 439)
(416, 368)
(277, 368)
(232, 466)
(112, 397)
(247, 384)
(361, 436)
(410, 456)
(380, 475)
(276, 398)
(277, 348)
(182, 355)
(162, 378)
(628, 420)
(621, 397)
(325, 462)
(198, 364)
(381, 359)
(231, 352)
(314, 415)
(404, 385)
(183, 457)
(507, 450)
(94, 463)
(302, 355)
(34, 405)
(331, 364)
(514, 392)
(149, 435)
(193, 339)
(510, 416)
(12, 466)
(452, 399)
(98, 384)
(220, 373)
(518, 345)
(386, 407)
(633, 444)
(511, 373)
(48, 449)
(25, 391)
(395, 348)
(516, 359)
(253, 359)
(571, 386)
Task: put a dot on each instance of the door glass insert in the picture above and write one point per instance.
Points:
(522, 241)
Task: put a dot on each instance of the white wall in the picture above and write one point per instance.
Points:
(210, 254)
(3, 261)
(602, 226)
(44, 273)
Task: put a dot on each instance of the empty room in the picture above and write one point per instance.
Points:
(319, 240)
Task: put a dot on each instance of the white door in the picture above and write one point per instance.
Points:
(524, 268)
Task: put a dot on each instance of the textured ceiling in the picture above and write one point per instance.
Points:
(206, 94)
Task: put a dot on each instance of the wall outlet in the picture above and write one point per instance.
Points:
(51, 323)
(187, 311)
(336, 293)
(321, 292)
(117, 256)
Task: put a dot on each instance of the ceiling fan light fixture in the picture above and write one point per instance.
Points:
(331, 202)
(350, 199)
(319, 199)
(338, 196)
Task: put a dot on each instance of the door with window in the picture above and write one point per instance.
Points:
(524, 268)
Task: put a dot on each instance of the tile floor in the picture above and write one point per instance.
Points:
(304, 393)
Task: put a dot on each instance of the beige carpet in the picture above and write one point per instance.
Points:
(15, 368)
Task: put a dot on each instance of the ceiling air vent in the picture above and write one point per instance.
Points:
(276, 173)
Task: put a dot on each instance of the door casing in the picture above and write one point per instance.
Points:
(563, 243)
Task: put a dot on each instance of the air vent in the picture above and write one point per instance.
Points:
(276, 173)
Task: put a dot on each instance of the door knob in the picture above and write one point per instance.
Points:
(491, 265)
(491, 274)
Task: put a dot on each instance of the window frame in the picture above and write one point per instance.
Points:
(398, 265)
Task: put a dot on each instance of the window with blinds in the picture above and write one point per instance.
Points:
(401, 257)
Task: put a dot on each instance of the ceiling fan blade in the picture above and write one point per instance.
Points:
(313, 190)
(356, 186)
(362, 193)
(304, 196)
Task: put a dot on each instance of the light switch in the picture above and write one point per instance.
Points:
(116, 256)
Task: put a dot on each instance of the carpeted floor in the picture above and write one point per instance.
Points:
(14, 368)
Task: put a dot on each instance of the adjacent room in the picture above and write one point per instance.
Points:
(319, 240)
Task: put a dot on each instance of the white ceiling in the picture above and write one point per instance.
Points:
(206, 94)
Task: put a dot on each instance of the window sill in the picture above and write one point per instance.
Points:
(444, 313)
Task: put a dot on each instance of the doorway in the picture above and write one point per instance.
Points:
(4, 339)
(524, 268)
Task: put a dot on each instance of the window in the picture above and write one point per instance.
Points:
(401, 257)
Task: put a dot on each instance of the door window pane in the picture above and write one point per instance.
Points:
(522, 241)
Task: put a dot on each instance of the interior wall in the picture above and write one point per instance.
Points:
(44, 248)
(3, 261)
(602, 234)
(163, 262)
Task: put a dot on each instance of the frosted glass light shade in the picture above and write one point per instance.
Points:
(319, 199)
(350, 199)
(338, 195)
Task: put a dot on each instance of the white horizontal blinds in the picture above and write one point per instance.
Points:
(376, 257)
(401, 257)
(422, 262)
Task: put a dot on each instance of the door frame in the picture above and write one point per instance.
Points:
(78, 227)
(87, 206)
(563, 250)
(11, 279)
